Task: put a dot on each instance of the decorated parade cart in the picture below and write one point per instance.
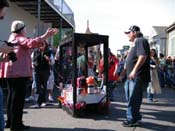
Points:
(85, 85)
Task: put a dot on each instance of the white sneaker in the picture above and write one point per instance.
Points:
(30, 98)
(50, 99)
(43, 104)
(37, 106)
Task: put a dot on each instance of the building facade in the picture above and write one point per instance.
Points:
(158, 39)
(51, 14)
(171, 40)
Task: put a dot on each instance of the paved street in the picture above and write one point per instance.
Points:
(157, 116)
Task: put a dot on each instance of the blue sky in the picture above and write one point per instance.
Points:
(112, 17)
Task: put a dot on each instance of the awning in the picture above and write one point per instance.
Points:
(49, 12)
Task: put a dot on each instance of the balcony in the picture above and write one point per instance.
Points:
(56, 12)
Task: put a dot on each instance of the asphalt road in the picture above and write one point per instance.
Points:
(157, 116)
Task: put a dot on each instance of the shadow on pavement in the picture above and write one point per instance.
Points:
(31, 105)
(116, 113)
(156, 127)
(66, 129)
(159, 104)
(167, 116)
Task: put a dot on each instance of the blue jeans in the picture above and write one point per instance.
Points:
(149, 94)
(1, 111)
(134, 94)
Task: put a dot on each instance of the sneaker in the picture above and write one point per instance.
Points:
(43, 104)
(20, 128)
(37, 106)
(7, 125)
(50, 98)
(127, 123)
(59, 105)
(111, 99)
(30, 98)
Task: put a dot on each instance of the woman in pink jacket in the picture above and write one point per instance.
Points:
(18, 71)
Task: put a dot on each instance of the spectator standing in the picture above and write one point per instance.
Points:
(18, 72)
(137, 69)
(41, 60)
(154, 86)
(112, 72)
(161, 70)
(33, 96)
(112, 75)
(51, 80)
(58, 75)
(174, 67)
(121, 66)
(4, 49)
(168, 70)
(57, 71)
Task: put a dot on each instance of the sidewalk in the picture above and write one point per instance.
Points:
(158, 116)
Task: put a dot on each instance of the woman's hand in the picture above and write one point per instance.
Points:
(50, 32)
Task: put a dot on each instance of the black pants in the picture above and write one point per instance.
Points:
(41, 78)
(15, 101)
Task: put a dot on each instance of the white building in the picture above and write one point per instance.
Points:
(171, 40)
(158, 39)
(55, 14)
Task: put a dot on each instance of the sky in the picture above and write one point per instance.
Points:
(113, 17)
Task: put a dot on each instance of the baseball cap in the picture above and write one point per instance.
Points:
(17, 25)
(133, 28)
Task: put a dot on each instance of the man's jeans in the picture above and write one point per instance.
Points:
(1, 111)
(134, 94)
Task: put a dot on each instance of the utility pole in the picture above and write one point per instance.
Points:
(38, 18)
(61, 21)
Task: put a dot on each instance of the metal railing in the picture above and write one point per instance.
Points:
(61, 7)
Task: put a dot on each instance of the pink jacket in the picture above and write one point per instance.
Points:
(21, 67)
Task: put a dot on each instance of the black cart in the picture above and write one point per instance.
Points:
(85, 91)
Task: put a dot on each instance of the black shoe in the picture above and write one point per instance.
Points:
(111, 99)
(20, 127)
(59, 106)
(127, 123)
(7, 125)
(150, 100)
